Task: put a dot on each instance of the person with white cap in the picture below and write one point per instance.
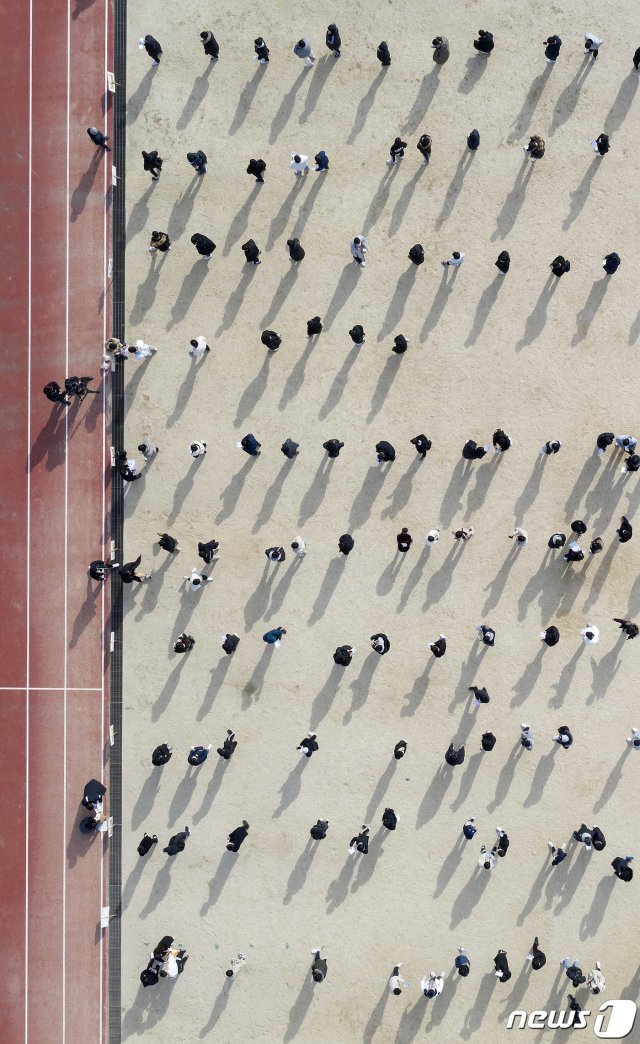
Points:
(299, 164)
(196, 580)
(590, 634)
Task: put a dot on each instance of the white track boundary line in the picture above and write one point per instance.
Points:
(27, 637)
(40, 688)
(66, 553)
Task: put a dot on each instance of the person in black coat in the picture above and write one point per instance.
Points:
(271, 340)
(385, 452)
(424, 147)
(400, 749)
(360, 843)
(473, 140)
(319, 830)
(389, 819)
(207, 551)
(308, 745)
(290, 448)
(333, 447)
(502, 966)
(486, 634)
(422, 444)
(237, 836)
(98, 138)
(488, 741)
(627, 627)
(383, 54)
(184, 643)
(251, 252)
(54, 393)
(152, 47)
(356, 333)
(198, 755)
(404, 540)
(261, 49)
(127, 572)
(503, 262)
(98, 569)
(621, 867)
(125, 472)
(550, 636)
(346, 544)
(230, 643)
(536, 956)
(319, 967)
(471, 450)
(332, 40)
(416, 254)
(314, 326)
(210, 44)
(152, 163)
(257, 167)
(454, 757)
(479, 695)
(400, 345)
(296, 250)
(611, 263)
(552, 48)
(396, 151)
(198, 160)
(203, 245)
(625, 531)
(380, 643)
(161, 755)
(177, 842)
(168, 543)
(343, 655)
(439, 648)
(228, 746)
(501, 441)
(484, 43)
(560, 265)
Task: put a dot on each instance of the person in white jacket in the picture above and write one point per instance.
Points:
(595, 980)
(432, 985)
(299, 164)
(359, 247)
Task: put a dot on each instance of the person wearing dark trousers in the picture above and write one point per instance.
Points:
(210, 45)
(636, 59)
(501, 441)
(488, 741)
(560, 265)
(332, 40)
(296, 250)
(319, 830)
(472, 451)
(385, 452)
(98, 138)
(319, 966)
(627, 627)
(127, 572)
(573, 971)
(400, 749)
(404, 540)
(153, 163)
(251, 252)
(484, 43)
(98, 569)
(147, 843)
(161, 755)
(356, 333)
(125, 472)
(552, 48)
(230, 643)
(396, 151)
(501, 964)
(454, 757)
(314, 326)
(424, 147)
(271, 340)
(203, 245)
(78, 386)
(439, 647)
(257, 167)
(177, 842)
(383, 54)
(261, 49)
(503, 262)
(198, 161)
(550, 636)
(346, 544)
(159, 241)
(422, 444)
(537, 956)
(322, 161)
(625, 532)
(54, 393)
(308, 745)
(184, 643)
(601, 144)
(389, 819)
(563, 737)
(621, 867)
(416, 254)
(290, 448)
(275, 554)
(611, 263)
(152, 47)
(250, 445)
(333, 447)
(380, 643)
(441, 50)
(207, 550)
(237, 836)
(228, 746)
(343, 656)
(473, 140)
(479, 695)
(360, 843)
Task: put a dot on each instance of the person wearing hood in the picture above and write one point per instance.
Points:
(332, 40)
(552, 44)
(210, 45)
(441, 51)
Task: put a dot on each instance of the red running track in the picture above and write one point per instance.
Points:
(54, 646)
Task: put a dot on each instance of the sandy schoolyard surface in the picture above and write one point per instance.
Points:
(483, 352)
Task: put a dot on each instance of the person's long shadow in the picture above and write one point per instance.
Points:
(423, 99)
(330, 581)
(147, 1009)
(506, 219)
(449, 865)
(439, 1010)
(434, 795)
(185, 390)
(585, 316)
(572, 881)
(398, 303)
(535, 893)
(146, 798)
(526, 683)
(318, 79)
(367, 864)
(411, 1020)
(86, 613)
(536, 321)
(290, 789)
(400, 496)
(139, 214)
(182, 796)
(257, 602)
(455, 185)
(50, 442)
(188, 291)
(181, 212)
(183, 490)
(614, 777)
(235, 299)
(285, 109)
(279, 593)
(440, 580)
(580, 194)
(595, 915)
(375, 1019)
(566, 677)
(324, 699)
(247, 95)
(132, 883)
(300, 1008)
(212, 789)
(360, 687)
(505, 779)
(469, 896)
(466, 780)
(590, 468)
(81, 192)
(280, 220)
(387, 578)
(634, 330)
(488, 298)
(164, 696)
(298, 875)
(151, 591)
(404, 200)
(231, 493)
(339, 888)
(253, 392)
(380, 197)
(306, 206)
(543, 771)
(147, 290)
(475, 1015)
(363, 501)
(253, 687)
(476, 67)
(218, 675)
(623, 101)
(497, 585)
(380, 790)
(604, 671)
(241, 220)
(568, 98)
(344, 288)
(271, 497)
(223, 997)
(311, 501)
(484, 475)
(531, 490)
(364, 107)
(159, 889)
(415, 696)
(195, 99)
(522, 121)
(383, 387)
(218, 881)
(136, 100)
(284, 288)
(295, 380)
(438, 305)
(452, 499)
(339, 384)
